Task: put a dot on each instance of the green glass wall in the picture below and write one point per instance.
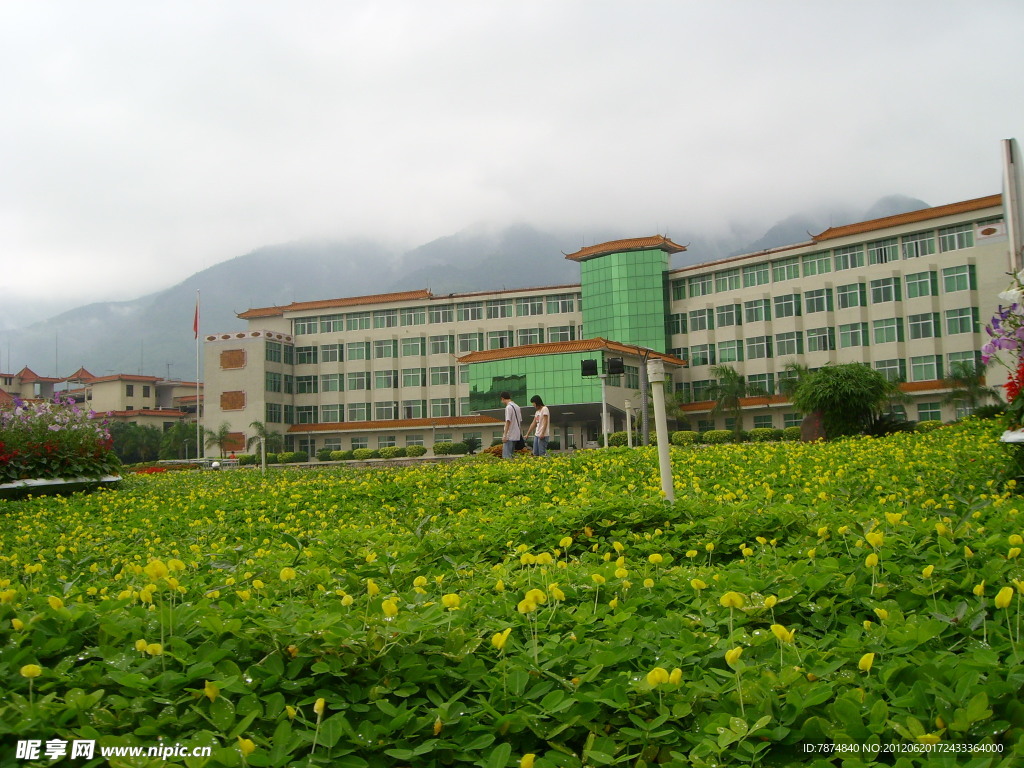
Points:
(624, 297)
(556, 378)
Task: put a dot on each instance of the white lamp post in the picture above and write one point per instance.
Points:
(629, 422)
(656, 375)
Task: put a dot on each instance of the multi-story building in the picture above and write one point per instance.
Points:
(905, 294)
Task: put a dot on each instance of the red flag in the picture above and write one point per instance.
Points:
(195, 322)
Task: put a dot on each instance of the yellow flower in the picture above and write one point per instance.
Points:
(1013, 553)
(698, 584)
(565, 542)
(733, 655)
(155, 649)
(526, 761)
(18, 624)
(812, 553)
(655, 558)
(287, 574)
(747, 552)
(499, 639)
(968, 552)
(771, 601)
(617, 546)
(246, 746)
(318, 707)
(868, 624)
(927, 571)
(784, 635)
(557, 593)
(290, 711)
(613, 603)
(648, 583)
(175, 565)
(731, 600)
(499, 586)
(979, 589)
(8, 595)
(527, 559)
(691, 553)
(390, 608)
(874, 538)
(55, 602)
(536, 596)
(657, 676)
(371, 588)
(710, 547)
(866, 662)
(823, 532)
(156, 570)
(526, 606)
(419, 581)
(928, 738)
(211, 691)
(243, 594)
(871, 560)
(675, 676)
(31, 671)
(621, 573)
(140, 646)
(1016, 540)
(597, 578)
(882, 613)
(347, 600)
(1003, 597)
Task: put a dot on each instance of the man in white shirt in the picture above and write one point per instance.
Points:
(513, 432)
(540, 426)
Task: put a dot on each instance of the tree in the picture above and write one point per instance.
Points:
(219, 437)
(966, 386)
(848, 397)
(179, 442)
(797, 372)
(727, 392)
(272, 440)
(134, 443)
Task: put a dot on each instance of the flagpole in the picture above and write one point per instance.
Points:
(195, 328)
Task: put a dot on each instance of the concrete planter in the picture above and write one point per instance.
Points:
(58, 485)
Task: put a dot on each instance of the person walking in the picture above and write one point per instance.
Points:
(540, 426)
(512, 436)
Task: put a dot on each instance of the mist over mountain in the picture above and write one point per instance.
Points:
(153, 334)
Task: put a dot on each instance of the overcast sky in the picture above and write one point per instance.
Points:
(142, 142)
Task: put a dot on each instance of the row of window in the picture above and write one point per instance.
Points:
(438, 408)
(931, 411)
(880, 291)
(848, 257)
(496, 309)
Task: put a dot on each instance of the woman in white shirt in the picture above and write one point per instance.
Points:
(540, 426)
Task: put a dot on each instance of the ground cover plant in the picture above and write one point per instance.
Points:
(551, 612)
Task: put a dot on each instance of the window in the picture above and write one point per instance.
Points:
(678, 290)
(887, 330)
(632, 376)
(289, 384)
(273, 381)
(358, 380)
(414, 347)
(441, 407)
(701, 389)
(918, 244)
(530, 336)
(499, 339)
(385, 348)
(787, 306)
(790, 343)
(332, 353)
(969, 358)
(821, 339)
(885, 289)
(730, 314)
(955, 238)
(385, 318)
(463, 374)
(702, 320)
(414, 439)
(441, 345)
(357, 350)
(470, 342)
(470, 310)
(893, 370)
(360, 442)
(755, 275)
(273, 352)
(727, 280)
(529, 305)
(705, 425)
(757, 310)
(442, 314)
(289, 414)
(677, 323)
(849, 257)
(332, 323)
(385, 379)
(386, 441)
(289, 354)
(958, 278)
(357, 321)
(819, 300)
(499, 309)
(562, 333)
(924, 326)
(464, 410)
(925, 368)
(702, 354)
(759, 347)
(817, 264)
(414, 409)
(792, 419)
(414, 377)
(853, 335)
(699, 285)
(442, 374)
(358, 412)
(852, 295)
(963, 320)
(764, 422)
(763, 383)
(330, 414)
(129, 390)
(306, 385)
(443, 437)
(301, 325)
(730, 351)
(273, 413)
(786, 269)
(414, 315)
(307, 414)
(385, 411)
(145, 390)
(883, 251)
(331, 382)
(683, 353)
(929, 411)
(561, 304)
(922, 284)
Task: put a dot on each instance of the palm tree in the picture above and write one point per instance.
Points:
(177, 441)
(727, 392)
(271, 440)
(966, 385)
(219, 438)
(798, 374)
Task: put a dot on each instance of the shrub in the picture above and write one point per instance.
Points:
(415, 450)
(392, 452)
(472, 444)
(991, 411)
(459, 449)
(362, 454)
(450, 449)
(928, 426)
(888, 424)
(618, 439)
(554, 445)
(791, 433)
(293, 457)
(245, 459)
(764, 434)
(683, 437)
(273, 458)
(324, 454)
(718, 436)
(341, 455)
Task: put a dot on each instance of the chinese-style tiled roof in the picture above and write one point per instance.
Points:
(655, 242)
(80, 375)
(564, 347)
(6, 398)
(304, 306)
(124, 377)
(360, 426)
(26, 374)
(910, 218)
(149, 412)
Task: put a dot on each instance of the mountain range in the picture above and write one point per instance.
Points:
(153, 334)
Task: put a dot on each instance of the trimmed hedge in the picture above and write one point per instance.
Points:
(764, 435)
(450, 449)
(927, 426)
(341, 455)
(392, 452)
(717, 436)
(683, 437)
(292, 457)
(362, 454)
(415, 450)
(324, 454)
(791, 433)
(247, 458)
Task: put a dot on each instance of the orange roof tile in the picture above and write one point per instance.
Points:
(147, 412)
(123, 377)
(80, 375)
(659, 242)
(909, 218)
(6, 398)
(565, 347)
(359, 426)
(26, 374)
(303, 306)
